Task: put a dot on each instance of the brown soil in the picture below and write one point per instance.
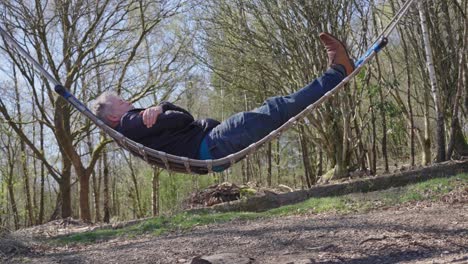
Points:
(423, 232)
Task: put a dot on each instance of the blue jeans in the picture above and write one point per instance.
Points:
(242, 129)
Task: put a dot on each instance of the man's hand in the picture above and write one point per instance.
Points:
(150, 115)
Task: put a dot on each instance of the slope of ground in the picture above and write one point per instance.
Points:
(430, 229)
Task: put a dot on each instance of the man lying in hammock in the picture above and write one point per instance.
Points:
(173, 130)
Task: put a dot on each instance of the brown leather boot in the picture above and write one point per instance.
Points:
(336, 52)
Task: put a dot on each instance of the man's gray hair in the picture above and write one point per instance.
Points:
(102, 106)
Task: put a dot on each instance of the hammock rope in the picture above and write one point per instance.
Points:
(194, 166)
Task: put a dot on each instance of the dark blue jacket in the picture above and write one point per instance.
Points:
(175, 131)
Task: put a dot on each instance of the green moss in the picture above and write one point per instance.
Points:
(247, 192)
(328, 175)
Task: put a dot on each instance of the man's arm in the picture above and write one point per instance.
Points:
(150, 115)
(132, 124)
(166, 106)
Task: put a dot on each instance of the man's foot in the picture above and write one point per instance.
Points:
(336, 51)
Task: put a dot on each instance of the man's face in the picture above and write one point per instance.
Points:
(119, 108)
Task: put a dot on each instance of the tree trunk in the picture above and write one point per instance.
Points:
(455, 124)
(41, 147)
(410, 104)
(24, 161)
(373, 156)
(338, 150)
(65, 189)
(85, 212)
(346, 113)
(36, 175)
(384, 127)
(382, 102)
(320, 164)
(4, 211)
(63, 135)
(308, 172)
(106, 188)
(244, 170)
(114, 202)
(41, 199)
(278, 160)
(382, 106)
(269, 154)
(56, 214)
(96, 192)
(11, 193)
(139, 210)
(247, 169)
(10, 148)
(27, 189)
(440, 128)
(360, 150)
(458, 138)
(426, 140)
(155, 191)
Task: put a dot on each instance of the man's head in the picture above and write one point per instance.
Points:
(110, 108)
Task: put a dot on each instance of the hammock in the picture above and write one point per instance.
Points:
(194, 166)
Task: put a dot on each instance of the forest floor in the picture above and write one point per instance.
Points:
(433, 229)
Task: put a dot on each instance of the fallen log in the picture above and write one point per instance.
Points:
(271, 200)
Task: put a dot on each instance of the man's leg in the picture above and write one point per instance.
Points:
(242, 129)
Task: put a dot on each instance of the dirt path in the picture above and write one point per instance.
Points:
(424, 232)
